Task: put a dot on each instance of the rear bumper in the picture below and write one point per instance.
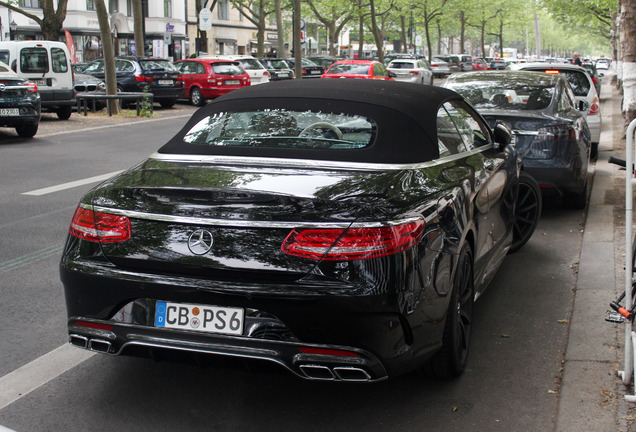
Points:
(275, 326)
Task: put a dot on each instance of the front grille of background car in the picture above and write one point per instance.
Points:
(85, 88)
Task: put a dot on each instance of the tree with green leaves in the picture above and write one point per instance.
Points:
(256, 12)
(428, 12)
(334, 15)
(52, 20)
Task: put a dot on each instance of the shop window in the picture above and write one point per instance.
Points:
(30, 4)
(90, 4)
(113, 6)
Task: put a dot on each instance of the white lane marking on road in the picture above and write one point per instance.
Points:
(72, 184)
(40, 371)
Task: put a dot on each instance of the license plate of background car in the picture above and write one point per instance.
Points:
(315, 72)
(165, 82)
(9, 111)
(203, 318)
(232, 82)
(39, 82)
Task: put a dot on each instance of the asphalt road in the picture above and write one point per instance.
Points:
(511, 383)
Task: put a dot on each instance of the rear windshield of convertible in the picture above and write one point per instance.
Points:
(284, 129)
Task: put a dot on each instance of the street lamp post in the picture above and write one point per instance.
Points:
(13, 27)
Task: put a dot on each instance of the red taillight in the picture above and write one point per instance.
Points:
(266, 74)
(31, 87)
(594, 80)
(304, 71)
(434, 65)
(94, 325)
(143, 78)
(552, 71)
(414, 72)
(352, 243)
(324, 351)
(594, 107)
(99, 227)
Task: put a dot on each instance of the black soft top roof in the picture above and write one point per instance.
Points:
(405, 115)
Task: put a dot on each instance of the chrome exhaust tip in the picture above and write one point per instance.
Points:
(348, 373)
(78, 341)
(99, 345)
(317, 372)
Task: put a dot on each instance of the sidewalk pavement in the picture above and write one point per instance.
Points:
(591, 394)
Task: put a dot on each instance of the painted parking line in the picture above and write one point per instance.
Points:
(40, 371)
(31, 258)
(70, 185)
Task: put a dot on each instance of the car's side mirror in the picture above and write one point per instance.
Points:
(392, 74)
(601, 74)
(583, 106)
(503, 134)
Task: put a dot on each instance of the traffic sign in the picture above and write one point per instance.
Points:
(205, 19)
(418, 40)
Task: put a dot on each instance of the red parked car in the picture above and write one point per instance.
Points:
(365, 69)
(480, 64)
(210, 78)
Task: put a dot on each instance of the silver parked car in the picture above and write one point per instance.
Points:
(411, 70)
(440, 67)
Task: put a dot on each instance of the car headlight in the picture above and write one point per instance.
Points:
(102, 86)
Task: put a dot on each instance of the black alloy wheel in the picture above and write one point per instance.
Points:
(527, 211)
(450, 361)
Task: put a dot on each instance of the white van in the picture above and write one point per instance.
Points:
(48, 65)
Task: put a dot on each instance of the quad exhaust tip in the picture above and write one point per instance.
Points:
(97, 345)
(338, 373)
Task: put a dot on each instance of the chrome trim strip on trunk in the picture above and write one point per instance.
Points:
(310, 163)
(245, 223)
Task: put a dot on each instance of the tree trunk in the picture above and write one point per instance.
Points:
(361, 37)
(138, 16)
(462, 33)
(298, 67)
(628, 29)
(403, 34)
(109, 52)
(439, 40)
(280, 30)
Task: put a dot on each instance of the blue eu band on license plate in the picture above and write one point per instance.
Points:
(203, 318)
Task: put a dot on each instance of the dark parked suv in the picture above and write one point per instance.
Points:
(134, 74)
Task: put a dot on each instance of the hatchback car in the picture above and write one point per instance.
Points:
(361, 69)
(278, 69)
(552, 135)
(498, 64)
(584, 90)
(19, 103)
(210, 78)
(602, 64)
(340, 229)
(257, 72)
(136, 74)
(415, 71)
(480, 64)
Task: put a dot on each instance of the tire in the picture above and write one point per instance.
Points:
(64, 113)
(167, 103)
(527, 211)
(576, 200)
(594, 150)
(196, 97)
(27, 130)
(450, 361)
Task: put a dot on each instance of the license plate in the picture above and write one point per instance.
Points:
(232, 82)
(203, 318)
(165, 82)
(315, 72)
(39, 82)
(283, 75)
(9, 111)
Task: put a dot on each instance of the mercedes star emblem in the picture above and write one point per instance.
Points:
(200, 242)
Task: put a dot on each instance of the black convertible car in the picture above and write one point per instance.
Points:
(339, 228)
(551, 131)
